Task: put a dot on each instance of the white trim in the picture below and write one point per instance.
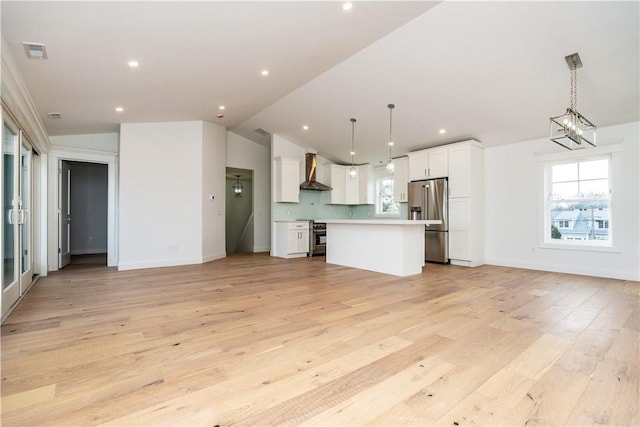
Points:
(92, 156)
(612, 152)
(174, 262)
(17, 100)
(588, 270)
(213, 257)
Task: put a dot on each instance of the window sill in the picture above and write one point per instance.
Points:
(387, 216)
(574, 247)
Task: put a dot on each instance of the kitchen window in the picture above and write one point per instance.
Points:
(385, 206)
(578, 202)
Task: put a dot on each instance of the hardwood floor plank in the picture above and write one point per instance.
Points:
(256, 340)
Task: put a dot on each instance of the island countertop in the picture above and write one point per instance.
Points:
(386, 246)
(380, 221)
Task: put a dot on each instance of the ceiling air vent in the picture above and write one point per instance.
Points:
(262, 132)
(55, 116)
(35, 50)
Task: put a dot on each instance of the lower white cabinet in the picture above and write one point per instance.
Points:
(466, 236)
(291, 239)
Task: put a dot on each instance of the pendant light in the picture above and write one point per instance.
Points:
(353, 172)
(572, 129)
(390, 165)
(237, 187)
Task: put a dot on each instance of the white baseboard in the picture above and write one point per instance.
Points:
(261, 249)
(213, 257)
(89, 251)
(583, 271)
(136, 265)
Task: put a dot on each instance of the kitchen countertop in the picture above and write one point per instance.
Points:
(380, 221)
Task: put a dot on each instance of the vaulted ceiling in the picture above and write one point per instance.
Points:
(492, 71)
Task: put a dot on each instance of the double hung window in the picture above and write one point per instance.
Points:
(578, 202)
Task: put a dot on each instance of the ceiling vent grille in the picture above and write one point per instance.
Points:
(262, 132)
(55, 116)
(35, 50)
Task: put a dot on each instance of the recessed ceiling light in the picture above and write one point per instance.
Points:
(264, 72)
(221, 107)
(347, 6)
(305, 127)
(442, 131)
(119, 109)
(133, 64)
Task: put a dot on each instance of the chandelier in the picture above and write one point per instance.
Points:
(353, 172)
(390, 165)
(237, 187)
(572, 130)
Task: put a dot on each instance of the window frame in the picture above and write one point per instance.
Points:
(610, 152)
(379, 177)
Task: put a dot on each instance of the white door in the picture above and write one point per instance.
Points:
(17, 262)
(25, 216)
(10, 241)
(64, 214)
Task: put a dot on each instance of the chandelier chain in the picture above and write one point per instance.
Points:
(574, 88)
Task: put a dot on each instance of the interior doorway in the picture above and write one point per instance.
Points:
(239, 210)
(83, 218)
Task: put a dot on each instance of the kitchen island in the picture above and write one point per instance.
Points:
(386, 246)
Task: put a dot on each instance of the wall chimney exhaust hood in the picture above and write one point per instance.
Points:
(310, 182)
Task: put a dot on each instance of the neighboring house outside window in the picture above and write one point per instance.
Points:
(385, 205)
(578, 201)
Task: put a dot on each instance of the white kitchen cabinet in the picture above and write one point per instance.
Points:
(349, 191)
(466, 161)
(400, 179)
(291, 239)
(459, 229)
(429, 163)
(287, 180)
(338, 183)
(466, 203)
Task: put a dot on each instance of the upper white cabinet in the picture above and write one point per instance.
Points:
(400, 179)
(465, 168)
(287, 180)
(429, 163)
(350, 191)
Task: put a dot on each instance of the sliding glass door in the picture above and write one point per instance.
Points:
(17, 258)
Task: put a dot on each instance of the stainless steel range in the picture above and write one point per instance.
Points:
(317, 238)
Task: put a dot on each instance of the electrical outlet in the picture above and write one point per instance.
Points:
(172, 247)
(90, 239)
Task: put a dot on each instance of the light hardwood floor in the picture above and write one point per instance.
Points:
(255, 340)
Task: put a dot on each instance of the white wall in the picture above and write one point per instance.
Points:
(99, 141)
(161, 194)
(213, 182)
(513, 211)
(245, 154)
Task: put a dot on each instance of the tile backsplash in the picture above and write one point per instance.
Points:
(315, 205)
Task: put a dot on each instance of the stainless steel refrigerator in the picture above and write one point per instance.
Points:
(428, 200)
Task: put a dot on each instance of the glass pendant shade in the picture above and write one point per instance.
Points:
(353, 172)
(390, 166)
(237, 187)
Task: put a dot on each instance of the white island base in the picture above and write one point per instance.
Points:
(386, 246)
